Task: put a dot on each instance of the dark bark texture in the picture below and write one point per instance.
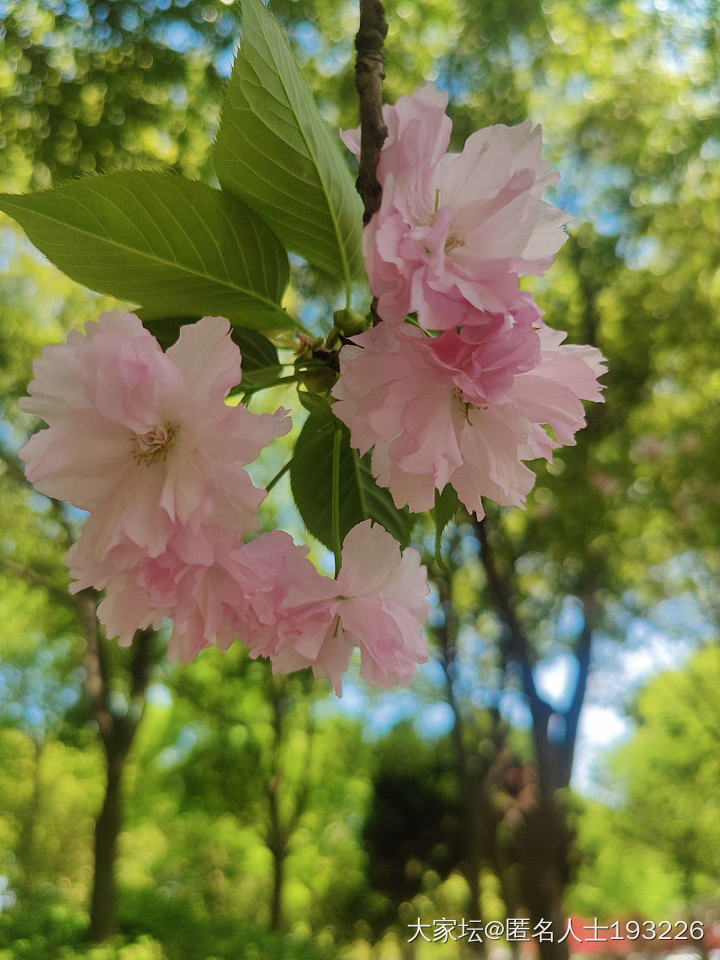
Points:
(369, 76)
(543, 842)
(117, 732)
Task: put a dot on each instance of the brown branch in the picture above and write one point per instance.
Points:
(142, 662)
(276, 835)
(369, 75)
(447, 635)
(518, 648)
(126, 724)
(582, 655)
(97, 676)
(117, 731)
(303, 794)
(555, 759)
(517, 645)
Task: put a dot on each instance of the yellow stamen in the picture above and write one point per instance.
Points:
(465, 405)
(154, 445)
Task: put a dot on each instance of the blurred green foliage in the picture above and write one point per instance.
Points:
(233, 777)
(659, 842)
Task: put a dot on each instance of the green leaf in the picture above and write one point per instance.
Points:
(167, 330)
(260, 362)
(314, 402)
(446, 506)
(175, 247)
(276, 152)
(445, 510)
(360, 496)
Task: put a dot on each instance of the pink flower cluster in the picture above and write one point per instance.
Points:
(458, 384)
(144, 441)
(460, 380)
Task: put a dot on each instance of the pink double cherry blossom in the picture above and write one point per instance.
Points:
(145, 441)
(456, 230)
(448, 410)
(458, 384)
(142, 438)
(446, 250)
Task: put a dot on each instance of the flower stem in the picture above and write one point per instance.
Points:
(277, 382)
(278, 475)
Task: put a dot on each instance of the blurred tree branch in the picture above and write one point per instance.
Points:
(369, 76)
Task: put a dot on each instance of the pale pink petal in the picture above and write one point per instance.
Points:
(492, 467)
(82, 458)
(383, 604)
(207, 357)
(467, 407)
(454, 232)
(143, 439)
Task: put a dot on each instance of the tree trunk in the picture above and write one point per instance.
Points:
(543, 848)
(276, 907)
(103, 902)
(470, 777)
(471, 867)
(544, 875)
(480, 826)
(27, 854)
(277, 838)
(117, 732)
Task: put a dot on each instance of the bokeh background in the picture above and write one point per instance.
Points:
(560, 754)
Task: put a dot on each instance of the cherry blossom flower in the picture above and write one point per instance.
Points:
(143, 438)
(215, 587)
(141, 591)
(245, 595)
(463, 410)
(378, 603)
(267, 594)
(455, 231)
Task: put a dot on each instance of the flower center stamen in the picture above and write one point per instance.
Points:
(154, 445)
(464, 404)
